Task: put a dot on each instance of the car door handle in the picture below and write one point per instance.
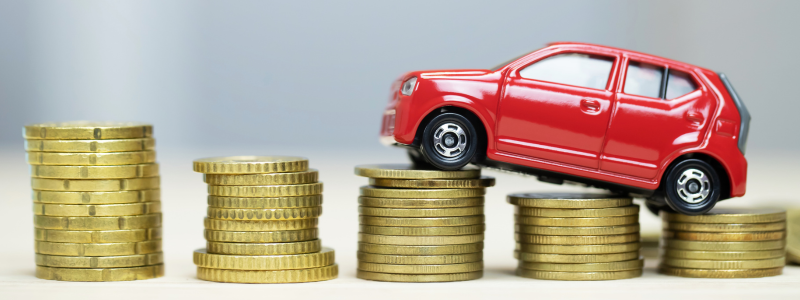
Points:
(591, 106)
(695, 117)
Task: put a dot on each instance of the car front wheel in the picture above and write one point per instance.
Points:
(692, 187)
(449, 141)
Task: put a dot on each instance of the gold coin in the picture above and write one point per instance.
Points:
(420, 250)
(274, 202)
(369, 191)
(264, 248)
(418, 277)
(407, 171)
(701, 273)
(730, 215)
(96, 210)
(250, 164)
(283, 236)
(723, 246)
(96, 197)
(578, 213)
(577, 222)
(84, 185)
(420, 259)
(724, 264)
(722, 255)
(95, 172)
(98, 223)
(601, 230)
(421, 222)
(279, 276)
(580, 276)
(419, 240)
(575, 258)
(421, 269)
(96, 146)
(725, 236)
(104, 249)
(97, 236)
(82, 262)
(105, 274)
(258, 214)
(266, 190)
(301, 177)
(569, 200)
(420, 203)
(91, 159)
(635, 264)
(84, 130)
(482, 182)
(420, 212)
(449, 230)
(576, 239)
(325, 257)
(578, 249)
(700, 227)
(239, 225)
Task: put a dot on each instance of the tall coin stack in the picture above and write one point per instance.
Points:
(566, 236)
(421, 225)
(262, 221)
(96, 201)
(724, 243)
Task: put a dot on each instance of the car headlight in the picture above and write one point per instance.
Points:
(408, 86)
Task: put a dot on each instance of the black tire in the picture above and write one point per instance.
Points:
(441, 154)
(698, 194)
(417, 159)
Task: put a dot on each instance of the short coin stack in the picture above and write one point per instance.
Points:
(421, 225)
(262, 221)
(96, 201)
(724, 243)
(565, 236)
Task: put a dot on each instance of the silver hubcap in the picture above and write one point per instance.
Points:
(693, 186)
(450, 140)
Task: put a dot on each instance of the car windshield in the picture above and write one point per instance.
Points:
(497, 67)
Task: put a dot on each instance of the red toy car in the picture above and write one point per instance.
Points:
(601, 116)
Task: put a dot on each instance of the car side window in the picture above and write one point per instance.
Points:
(644, 80)
(573, 69)
(679, 84)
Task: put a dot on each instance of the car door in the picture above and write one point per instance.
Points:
(659, 111)
(557, 107)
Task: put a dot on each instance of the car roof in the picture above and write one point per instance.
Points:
(625, 51)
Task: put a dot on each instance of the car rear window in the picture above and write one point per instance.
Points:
(679, 84)
(644, 80)
(573, 69)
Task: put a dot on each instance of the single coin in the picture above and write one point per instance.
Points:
(239, 225)
(635, 264)
(575, 258)
(420, 203)
(96, 210)
(97, 146)
(97, 236)
(419, 240)
(420, 212)
(325, 257)
(483, 182)
(279, 276)
(421, 222)
(264, 248)
(407, 171)
(730, 215)
(95, 172)
(283, 236)
(420, 259)
(578, 213)
(701, 273)
(579, 276)
(724, 264)
(98, 223)
(723, 246)
(91, 159)
(418, 277)
(85, 130)
(250, 164)
(420, 269)
(722, 255)
(274, 202)
(601, 230)
(725, 236)
(569, 200)
(87, 185)
(96, 197)
(264, 213)
(102, 274)
(448, 230)
(576, 239)
(266, 190)
(103, 249)
(309, 176)
(700, 227)
(577, 222)
(82, 262)
(370, 191)
(420, 250)
(578, 249)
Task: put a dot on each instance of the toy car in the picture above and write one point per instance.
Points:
(605, 117)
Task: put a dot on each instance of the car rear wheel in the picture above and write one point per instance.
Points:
(449, 141)
(692, 187)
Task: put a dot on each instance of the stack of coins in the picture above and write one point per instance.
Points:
(262, 221)
(421, 225)
(564, 236)
(96, 201)
(793, 236)
(724, 243)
